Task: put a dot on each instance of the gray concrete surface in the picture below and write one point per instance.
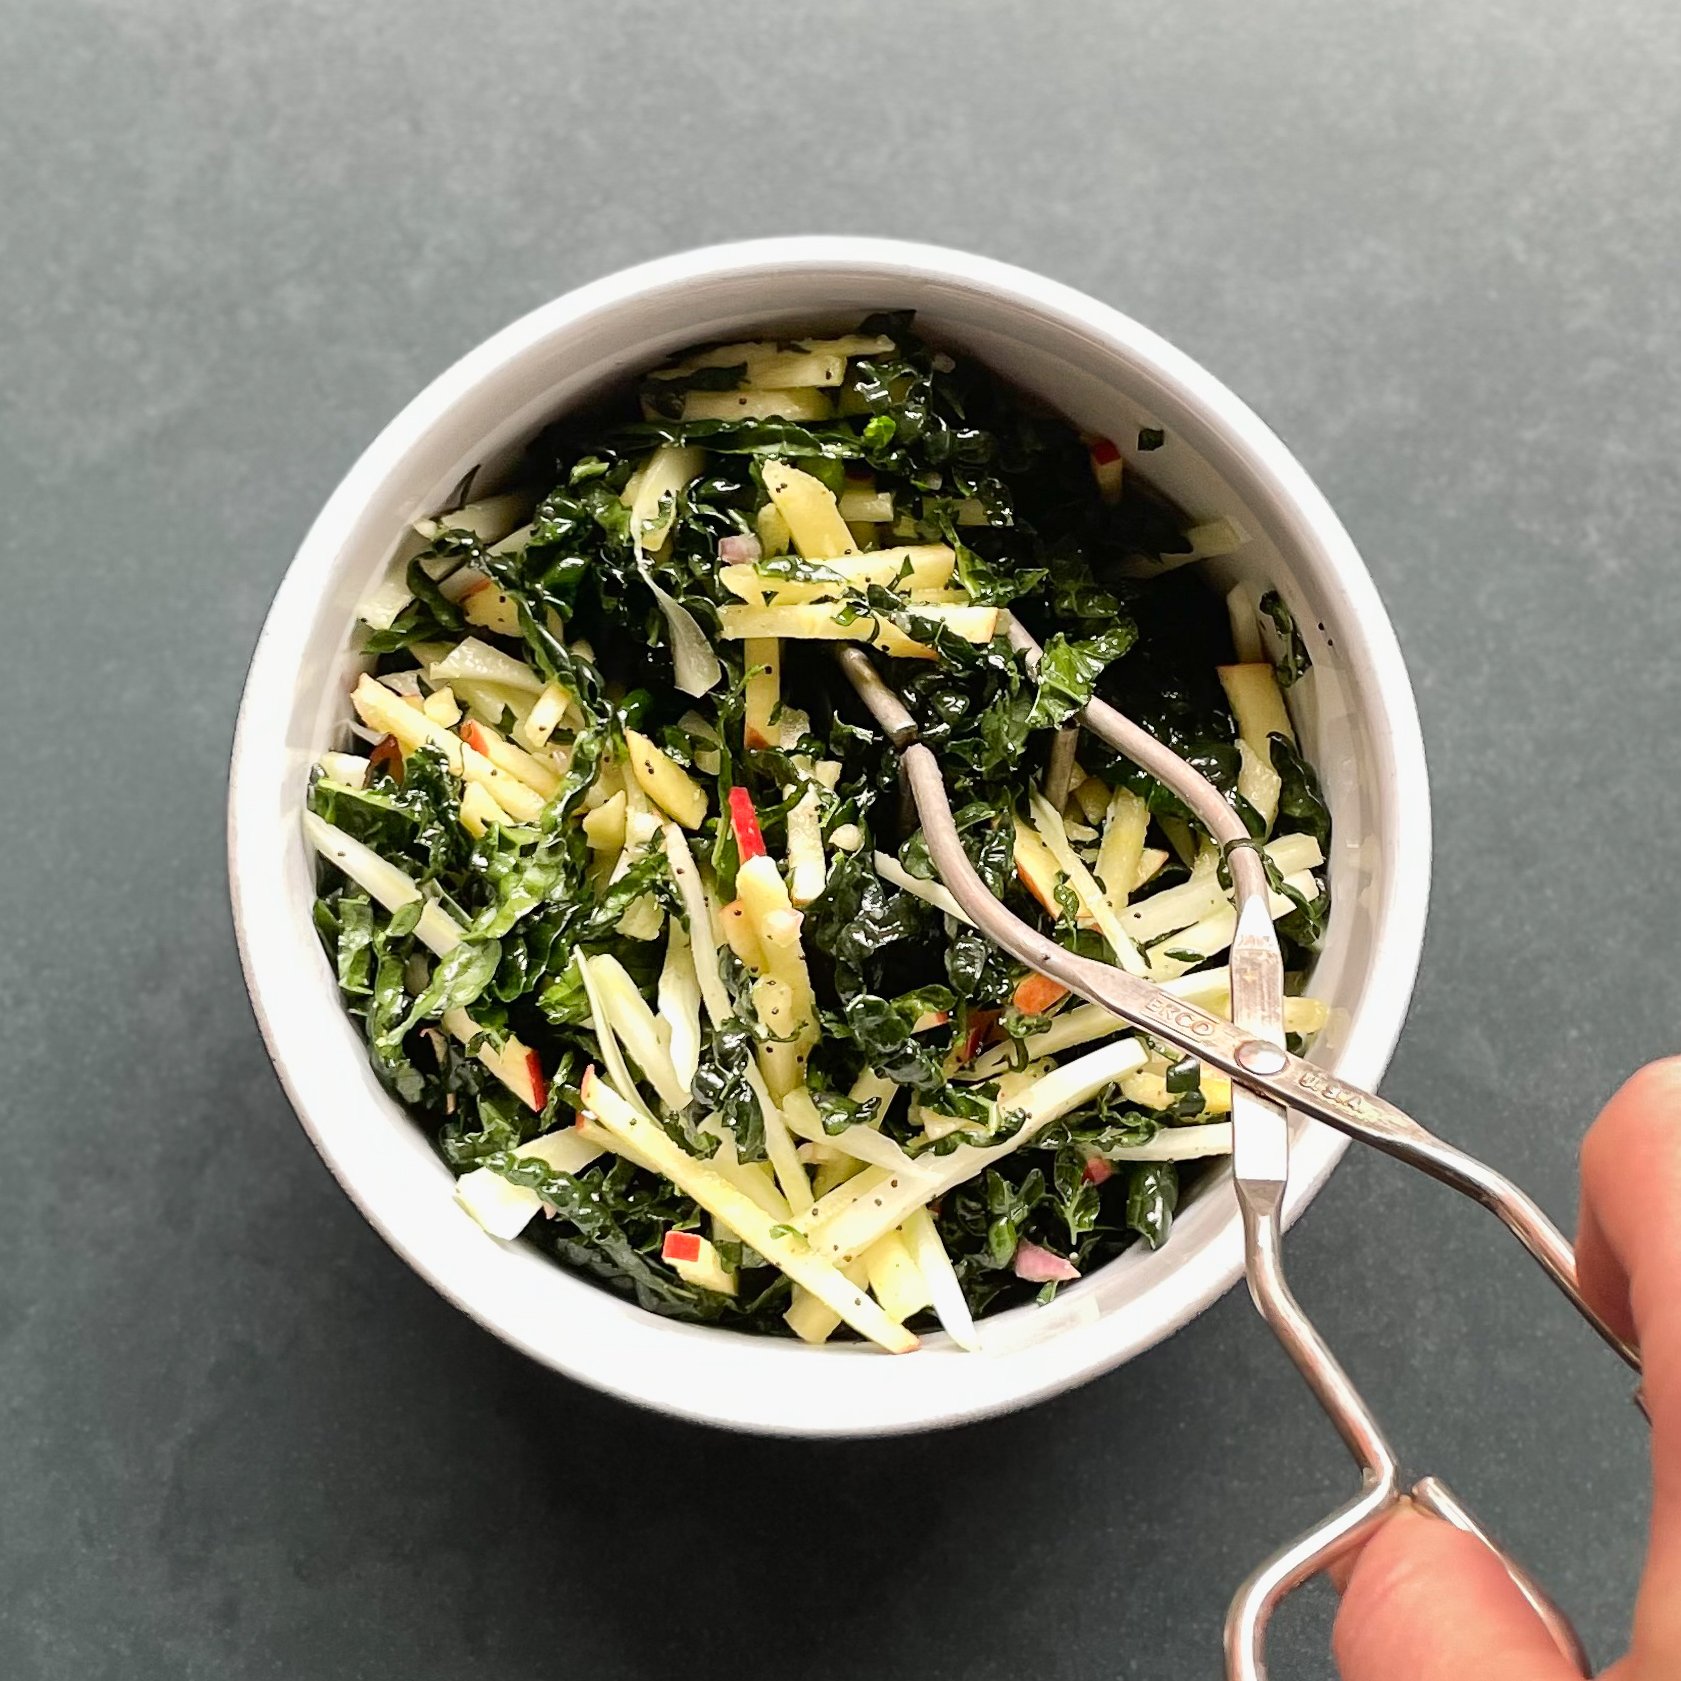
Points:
(1434, 243)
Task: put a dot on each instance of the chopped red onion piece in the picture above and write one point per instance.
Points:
(743, 546)
(1040, 1266)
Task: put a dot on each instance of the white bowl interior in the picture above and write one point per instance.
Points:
(1105, 373)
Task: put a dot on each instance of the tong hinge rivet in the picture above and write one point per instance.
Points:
(1256, 1056)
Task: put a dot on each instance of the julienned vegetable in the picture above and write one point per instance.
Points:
(618, 885)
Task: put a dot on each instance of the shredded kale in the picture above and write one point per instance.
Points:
(721, 1087)
(1294, 663)
(1300, 803)
(1152, 1198)
(1069, 671)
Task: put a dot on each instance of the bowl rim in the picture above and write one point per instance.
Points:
(1390, 977)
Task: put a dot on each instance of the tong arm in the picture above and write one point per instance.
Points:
(1248, 1061)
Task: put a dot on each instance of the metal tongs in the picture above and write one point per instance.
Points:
(1267, 1081)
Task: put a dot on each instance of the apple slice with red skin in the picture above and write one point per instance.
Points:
(680, 1246)
(1107, 468)
(982, 1025)
(744, 821)
(539, 1081)
(387, 757)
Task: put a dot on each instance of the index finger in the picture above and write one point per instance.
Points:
(1628, 1255)
(1628, 1239)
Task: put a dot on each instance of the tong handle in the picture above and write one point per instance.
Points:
(1271, 1582)
(1266, 1079)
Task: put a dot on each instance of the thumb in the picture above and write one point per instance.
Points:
(1427, 1602)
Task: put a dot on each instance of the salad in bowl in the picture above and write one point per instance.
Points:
(622, 890)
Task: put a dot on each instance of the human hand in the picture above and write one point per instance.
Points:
(1425, 1601)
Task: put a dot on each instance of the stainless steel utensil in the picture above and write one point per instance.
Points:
(1267, 1081)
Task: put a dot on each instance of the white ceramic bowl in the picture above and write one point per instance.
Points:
(1107, 374)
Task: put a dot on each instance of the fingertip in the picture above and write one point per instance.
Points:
(1643, 1116)
(1340, 1571)
(1424, 1601)
(1383, 1584)
(1600, 1274)
(1629, 1233)
(1382, 1568)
